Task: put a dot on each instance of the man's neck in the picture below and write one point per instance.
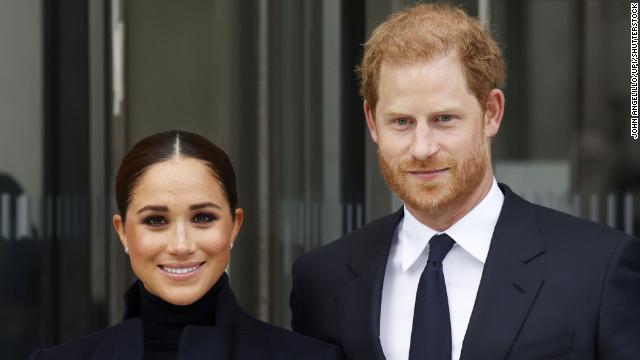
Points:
(444, 218)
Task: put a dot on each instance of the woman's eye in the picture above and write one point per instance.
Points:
(445, 118)
(203, 218)
(155, 220)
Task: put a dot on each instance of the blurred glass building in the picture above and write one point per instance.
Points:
(272, 82)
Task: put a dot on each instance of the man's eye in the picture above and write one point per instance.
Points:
(402, 121)
(155, 220)
(445, 118)
(203, 218)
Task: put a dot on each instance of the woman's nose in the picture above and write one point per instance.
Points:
(181, 243)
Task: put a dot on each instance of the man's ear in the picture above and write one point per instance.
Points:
(371, 122)
(494, 110)
(118, 224)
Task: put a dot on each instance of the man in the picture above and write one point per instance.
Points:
(466, 269)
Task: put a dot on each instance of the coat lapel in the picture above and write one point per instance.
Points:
(129, 342)
(195, 340)
(359, 300)
(230, 321)
(509, 286)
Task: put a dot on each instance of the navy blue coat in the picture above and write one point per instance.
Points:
(236, 335)
(553, 287)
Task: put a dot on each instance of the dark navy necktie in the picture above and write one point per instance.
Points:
(431, 331)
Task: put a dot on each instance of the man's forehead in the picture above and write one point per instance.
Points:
(430, 76)
(395, 62)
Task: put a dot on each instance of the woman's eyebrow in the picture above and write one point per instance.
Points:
(204, 205)
(153, 208)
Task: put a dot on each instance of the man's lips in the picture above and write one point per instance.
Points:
(428, 174)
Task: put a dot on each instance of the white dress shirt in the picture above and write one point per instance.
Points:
(462, 272)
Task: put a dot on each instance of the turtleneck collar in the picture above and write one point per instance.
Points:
(155, 310)
(220, 299)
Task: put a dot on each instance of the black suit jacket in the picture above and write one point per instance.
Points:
(235, 335)
(553, 287)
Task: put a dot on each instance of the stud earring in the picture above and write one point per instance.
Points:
(230, 245)
(126, 250)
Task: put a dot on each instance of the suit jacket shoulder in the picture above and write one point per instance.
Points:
(555, 224)
(611, 259)
(371, 238)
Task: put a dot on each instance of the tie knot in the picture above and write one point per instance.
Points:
(439, 246)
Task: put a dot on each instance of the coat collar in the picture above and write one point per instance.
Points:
(195, 340)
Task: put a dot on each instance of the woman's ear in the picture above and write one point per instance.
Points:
(237, 224)
(118, 224)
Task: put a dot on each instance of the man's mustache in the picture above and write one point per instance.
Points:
(426, 165)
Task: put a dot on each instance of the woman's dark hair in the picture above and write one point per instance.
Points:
(164, 146)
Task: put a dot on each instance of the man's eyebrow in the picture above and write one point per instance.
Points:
(448, 108)
(153, 208)
(204, 205)
(394, 113)
(442, 109)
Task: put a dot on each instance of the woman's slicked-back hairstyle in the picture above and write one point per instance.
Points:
(165, 146)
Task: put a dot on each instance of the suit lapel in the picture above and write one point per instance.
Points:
(509, 286)
(359, 300)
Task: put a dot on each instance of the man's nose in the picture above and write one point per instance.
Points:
(181, 244)
(423, 143)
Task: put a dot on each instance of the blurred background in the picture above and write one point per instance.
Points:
(272, 82)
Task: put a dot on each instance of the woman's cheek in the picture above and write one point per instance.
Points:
(148, 243)
(215, 242)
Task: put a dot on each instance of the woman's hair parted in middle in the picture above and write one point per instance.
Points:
(168, 145)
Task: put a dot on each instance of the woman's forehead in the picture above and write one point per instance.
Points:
(183, 177)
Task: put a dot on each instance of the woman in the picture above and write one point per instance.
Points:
(178, 220)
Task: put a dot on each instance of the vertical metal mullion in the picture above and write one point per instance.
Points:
(579, 32)
(51, 252)
(97, 145)
(263, 161)
(330, 120)
(484, 12)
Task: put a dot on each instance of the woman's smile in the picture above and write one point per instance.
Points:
(181, 271)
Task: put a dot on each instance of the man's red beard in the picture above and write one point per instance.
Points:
(444, 193)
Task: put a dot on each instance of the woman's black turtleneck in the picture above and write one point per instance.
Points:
(163, 322)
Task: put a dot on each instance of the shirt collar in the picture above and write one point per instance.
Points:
(472, 232)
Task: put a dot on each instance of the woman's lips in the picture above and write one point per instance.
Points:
(181, 271)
